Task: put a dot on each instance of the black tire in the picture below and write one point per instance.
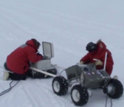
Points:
(79, 95)
(60, 85)
(114, 89)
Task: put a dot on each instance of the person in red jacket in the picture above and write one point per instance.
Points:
(96, 54)
(18, 62)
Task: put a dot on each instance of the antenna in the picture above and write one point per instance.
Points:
(104, 68)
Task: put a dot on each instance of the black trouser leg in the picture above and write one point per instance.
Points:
(15, 76)
(29, 73)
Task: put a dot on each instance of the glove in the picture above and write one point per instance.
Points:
(39, 54)
(45, 57)
(81, 62)
(98, 62)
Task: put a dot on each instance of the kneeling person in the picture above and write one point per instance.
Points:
(18, 62)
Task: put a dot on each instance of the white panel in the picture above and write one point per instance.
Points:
(48, 49)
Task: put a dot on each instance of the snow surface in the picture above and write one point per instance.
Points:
(69, 25)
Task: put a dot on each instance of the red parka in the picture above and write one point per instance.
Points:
(18, 61)
(99, 53)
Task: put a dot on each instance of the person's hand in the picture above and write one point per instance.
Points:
(98, 62)
(39, 54)
(45, 57)
(81, 62)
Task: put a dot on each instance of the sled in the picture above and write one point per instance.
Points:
(45, 66)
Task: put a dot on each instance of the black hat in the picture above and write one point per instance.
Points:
(91, 47)
(37, 44)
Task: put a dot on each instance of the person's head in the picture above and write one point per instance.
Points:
(37, 44)
(91, 47)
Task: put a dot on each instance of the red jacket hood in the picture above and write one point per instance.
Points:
(32, 44)
(101, 47)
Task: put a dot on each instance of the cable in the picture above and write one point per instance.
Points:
(106, 102)
(10, 87)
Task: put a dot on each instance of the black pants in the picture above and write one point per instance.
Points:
(29, 73)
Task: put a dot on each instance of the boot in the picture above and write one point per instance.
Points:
(5, 75)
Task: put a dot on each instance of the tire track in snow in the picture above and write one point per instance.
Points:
(43, 94)
(71, 20)
(30, 95)
(87, 26)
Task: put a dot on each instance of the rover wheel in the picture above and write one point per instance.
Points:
(79, 95)
(114, 89)
(60, 85)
